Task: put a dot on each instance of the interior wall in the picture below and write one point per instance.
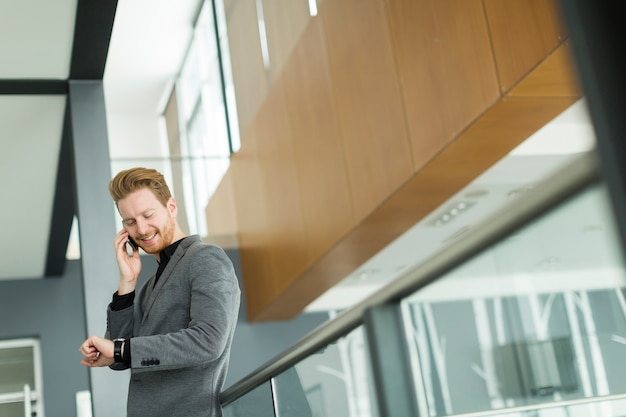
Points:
(53, 311)
(379, 113)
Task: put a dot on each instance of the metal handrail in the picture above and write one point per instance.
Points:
(580, 173)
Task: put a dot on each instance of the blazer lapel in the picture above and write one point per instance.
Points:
(152, 294)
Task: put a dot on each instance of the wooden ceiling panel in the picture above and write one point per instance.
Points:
(286, 238)
(522, 33)
(554, 77)
(252, 222)
(369, 100)
(317, 144)
(445, 66)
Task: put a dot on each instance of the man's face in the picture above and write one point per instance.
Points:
(147, 221)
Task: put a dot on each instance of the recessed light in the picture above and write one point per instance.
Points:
(451, 212)
(366, 274)
(476, 193)
(518, 191)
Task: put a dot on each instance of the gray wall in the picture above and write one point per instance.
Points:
(52, 310)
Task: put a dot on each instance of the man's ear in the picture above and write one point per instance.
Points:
(172, 207)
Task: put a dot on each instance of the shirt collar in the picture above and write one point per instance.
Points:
(167, 253)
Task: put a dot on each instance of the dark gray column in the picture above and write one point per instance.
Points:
(96, 219)
(387, 346)
(597, 32)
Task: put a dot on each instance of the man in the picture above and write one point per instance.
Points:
(175, 332)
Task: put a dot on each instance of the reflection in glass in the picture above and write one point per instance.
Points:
(336, 381)
(256, 403)
(291, 399)
(16, 369)
(15, 409)
(536, 325)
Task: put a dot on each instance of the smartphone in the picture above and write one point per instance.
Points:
(132, 243)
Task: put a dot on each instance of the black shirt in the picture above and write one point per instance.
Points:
(120, 302)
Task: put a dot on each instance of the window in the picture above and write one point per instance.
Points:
(207, 137)
(20, 378)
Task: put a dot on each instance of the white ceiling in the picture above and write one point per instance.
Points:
(148, 43)
(35, 43)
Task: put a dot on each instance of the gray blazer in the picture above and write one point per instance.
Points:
(181, 331)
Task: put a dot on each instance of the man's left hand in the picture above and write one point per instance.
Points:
(97, 352)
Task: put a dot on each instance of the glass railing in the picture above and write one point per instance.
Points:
(524, 316)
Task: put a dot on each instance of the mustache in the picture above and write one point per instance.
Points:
(147, 235)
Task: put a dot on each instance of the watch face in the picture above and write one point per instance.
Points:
(117, 350)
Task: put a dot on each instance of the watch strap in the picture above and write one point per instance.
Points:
(117, 350)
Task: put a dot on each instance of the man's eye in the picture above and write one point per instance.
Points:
(129, 222)
(148, 215)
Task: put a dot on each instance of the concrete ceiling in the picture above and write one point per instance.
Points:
(44, 44)
(136, 48)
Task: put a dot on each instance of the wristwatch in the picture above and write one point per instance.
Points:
(117, 350)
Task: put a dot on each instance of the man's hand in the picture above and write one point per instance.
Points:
(129, 266)
(97, 351)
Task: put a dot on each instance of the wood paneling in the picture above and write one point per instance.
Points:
(252, 220)
(318, 152)
(496, 133)
(286, 238)
(272, 238)
(250, 78)
(523, 32)
(445, 67)
(381, 113)
(220, 213)
(369, 100)
(554, 77)
(284, 22)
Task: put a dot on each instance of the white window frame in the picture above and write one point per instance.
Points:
(35, 393)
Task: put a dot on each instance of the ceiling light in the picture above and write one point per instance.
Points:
(366, 274)
(518, 191)
(450, 213)
(476, 193)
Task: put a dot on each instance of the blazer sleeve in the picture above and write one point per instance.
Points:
(119, 325)
(210, 321)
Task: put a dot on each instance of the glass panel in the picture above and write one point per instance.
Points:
(591, 408)
(12, 409)
(291, 398)
(336, 381)
(538, 319)
(256, 403)
(16, 369)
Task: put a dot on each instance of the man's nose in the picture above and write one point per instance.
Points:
(142, 226)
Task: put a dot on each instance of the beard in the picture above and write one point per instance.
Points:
(164, 238)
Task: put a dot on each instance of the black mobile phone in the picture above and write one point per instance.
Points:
(132, 243)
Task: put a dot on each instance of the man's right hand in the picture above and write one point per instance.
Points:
(129, 265)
